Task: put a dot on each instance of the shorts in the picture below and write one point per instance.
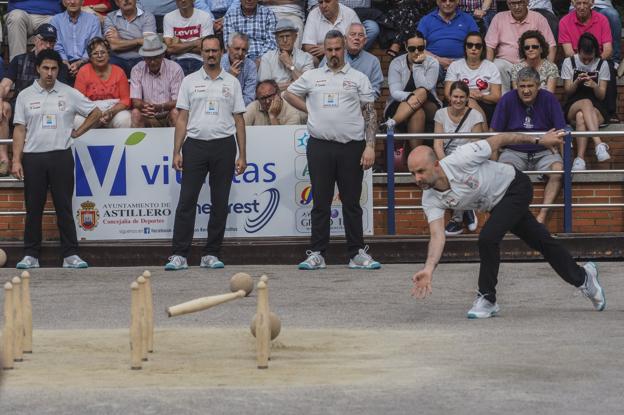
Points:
(540, 161)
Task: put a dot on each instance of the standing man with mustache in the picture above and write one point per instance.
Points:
(209, 126)
(342, 123)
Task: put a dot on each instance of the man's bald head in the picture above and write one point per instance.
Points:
(422, 164)
(421, 155)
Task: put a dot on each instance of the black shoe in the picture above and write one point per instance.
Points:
(453, 228)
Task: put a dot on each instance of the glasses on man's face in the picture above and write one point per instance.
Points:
(477, 46)
(529, 47)
(412, 49)
(267, 96)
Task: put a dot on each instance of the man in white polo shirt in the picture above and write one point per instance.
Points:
(342, 123)
(329, 15)
(210, 105)
(467, 179)
(42, 157)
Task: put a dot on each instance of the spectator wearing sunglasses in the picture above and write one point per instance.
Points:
(412, 82)
(504, 32)
(533, 51)
(480, 75)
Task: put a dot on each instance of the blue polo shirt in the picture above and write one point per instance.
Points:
(512, 115)
(447, 39)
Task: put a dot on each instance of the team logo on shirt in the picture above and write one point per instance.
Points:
(61, 105)
(88, 216)
(472, 182)
(226, 91)
(349, 85)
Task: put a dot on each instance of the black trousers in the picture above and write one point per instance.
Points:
(333, 163)
(200, 157)
(52, 170)
(512, 214)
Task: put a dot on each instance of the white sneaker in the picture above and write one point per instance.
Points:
(579, 164)
(363, 260)
(602, 152)
(482, 308)
(74, 261)
(390, 124)
(28, 262)
(176, 262)
(591, 288)
(211, 261)
(314, 261)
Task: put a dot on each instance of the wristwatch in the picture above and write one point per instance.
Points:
(291, 67)
(537, 140)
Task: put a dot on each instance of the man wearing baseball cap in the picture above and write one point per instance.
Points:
(154, 86)
(22, 73)
(286, 63)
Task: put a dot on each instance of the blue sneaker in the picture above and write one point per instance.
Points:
(211, 261)
(592, 288)
(314, 261)
(28, 262)
(363, 260)
(74, 261)
(176, 262)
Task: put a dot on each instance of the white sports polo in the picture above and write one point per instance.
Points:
(211, 104)
(476, 182)
(49, 115)
(334, 102)
(317, 25)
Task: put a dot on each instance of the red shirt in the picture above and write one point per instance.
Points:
(571, 29)
(96, 88)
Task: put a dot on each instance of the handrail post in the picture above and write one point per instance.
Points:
(390, 180)
(567, 183)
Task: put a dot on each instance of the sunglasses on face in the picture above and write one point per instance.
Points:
(477, 46)
(413, 49)
(529, 47)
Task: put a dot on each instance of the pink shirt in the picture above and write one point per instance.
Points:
(570, 29)
(504, 32)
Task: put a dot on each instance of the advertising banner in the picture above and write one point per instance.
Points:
(126, 187)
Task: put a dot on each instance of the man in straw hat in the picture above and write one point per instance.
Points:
(154, 86)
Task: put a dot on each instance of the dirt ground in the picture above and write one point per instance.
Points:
(189, 358)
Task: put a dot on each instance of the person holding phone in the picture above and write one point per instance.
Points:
(585, 77)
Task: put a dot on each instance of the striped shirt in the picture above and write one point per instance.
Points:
(259, 27)
(156, 88)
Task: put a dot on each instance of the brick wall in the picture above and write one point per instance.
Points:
(585, 220)
(408, 222)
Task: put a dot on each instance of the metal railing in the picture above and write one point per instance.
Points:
(391, 207)
(567, 172)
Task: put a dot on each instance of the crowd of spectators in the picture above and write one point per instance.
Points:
(130, 56)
